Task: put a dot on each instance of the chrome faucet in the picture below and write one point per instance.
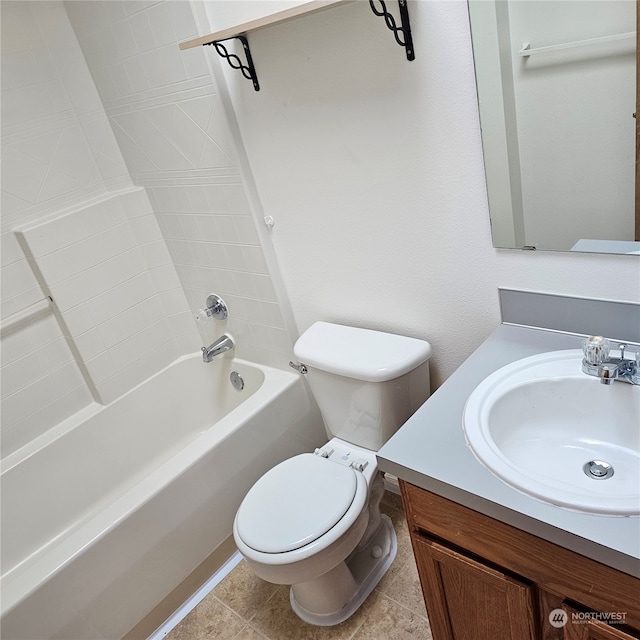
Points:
(222, 344)
(597, 362)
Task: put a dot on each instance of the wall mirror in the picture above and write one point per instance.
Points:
(557, 96)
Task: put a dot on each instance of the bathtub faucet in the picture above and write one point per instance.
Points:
(222, 344)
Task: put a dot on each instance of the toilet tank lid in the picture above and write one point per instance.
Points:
(363, 354)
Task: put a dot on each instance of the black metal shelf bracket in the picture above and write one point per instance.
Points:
(401, 33)
(247, 70)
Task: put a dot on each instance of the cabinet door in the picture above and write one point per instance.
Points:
(583, 629)
(467, 600)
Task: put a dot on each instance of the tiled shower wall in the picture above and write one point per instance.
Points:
(62, 162)
(57, 151)
(117, 295)
(168, 118)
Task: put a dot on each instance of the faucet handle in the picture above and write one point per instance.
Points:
(216, 307)
(595, 349)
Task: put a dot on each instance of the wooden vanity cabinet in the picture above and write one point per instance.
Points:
(483, 579)
(470, 599)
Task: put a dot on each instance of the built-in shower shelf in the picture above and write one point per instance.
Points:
(402, 33)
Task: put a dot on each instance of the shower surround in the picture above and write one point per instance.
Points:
(124, 201)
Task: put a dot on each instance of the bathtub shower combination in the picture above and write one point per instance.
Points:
(106, 519)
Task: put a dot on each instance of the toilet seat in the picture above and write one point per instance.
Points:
(299, 507)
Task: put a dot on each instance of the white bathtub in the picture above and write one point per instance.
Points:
(103, 521)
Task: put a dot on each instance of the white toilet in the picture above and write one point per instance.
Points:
(313, 521)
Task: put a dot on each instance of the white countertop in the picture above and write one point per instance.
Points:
(430, 452)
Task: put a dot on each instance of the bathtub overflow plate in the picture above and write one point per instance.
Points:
(236, 380)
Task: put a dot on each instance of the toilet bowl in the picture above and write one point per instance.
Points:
(314, 521)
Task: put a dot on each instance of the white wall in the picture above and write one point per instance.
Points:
(73, 229)
(371, 167)
(57, 151)
(123, 276)
(116, 293)
(165, 111)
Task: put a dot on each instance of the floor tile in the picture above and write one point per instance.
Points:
(244, 607)
(243, 592)
(406, 591)
(391, 621)
(248, 633)
(277, 621)
(209, 619)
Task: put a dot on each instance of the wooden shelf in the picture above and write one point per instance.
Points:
(217, 39)
(310, 6)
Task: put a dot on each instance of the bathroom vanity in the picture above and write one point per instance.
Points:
(484, 579)
(495, 562)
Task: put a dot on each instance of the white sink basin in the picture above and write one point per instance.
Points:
(537, 422)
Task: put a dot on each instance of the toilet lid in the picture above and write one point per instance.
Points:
(295, 503)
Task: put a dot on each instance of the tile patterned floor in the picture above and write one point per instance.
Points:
(244, 607)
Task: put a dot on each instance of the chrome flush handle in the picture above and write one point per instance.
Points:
(298, 366)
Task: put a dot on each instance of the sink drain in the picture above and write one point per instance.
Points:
(598, 469)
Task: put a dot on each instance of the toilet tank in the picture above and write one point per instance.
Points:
(367, 383)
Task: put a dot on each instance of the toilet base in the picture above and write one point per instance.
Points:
(353, 579)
